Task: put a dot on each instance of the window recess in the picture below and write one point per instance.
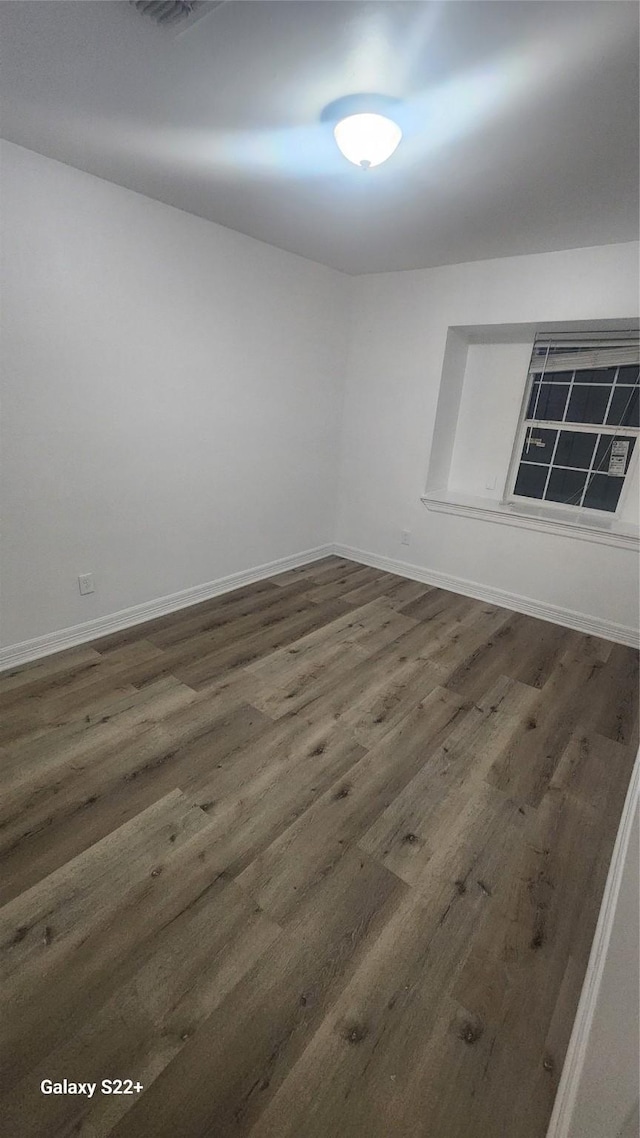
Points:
(579, 425)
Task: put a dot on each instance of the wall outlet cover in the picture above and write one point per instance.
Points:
(85, 584)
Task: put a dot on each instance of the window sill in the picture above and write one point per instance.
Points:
(609, 531)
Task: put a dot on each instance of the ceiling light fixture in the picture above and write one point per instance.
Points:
(367, 139)
(363, 129)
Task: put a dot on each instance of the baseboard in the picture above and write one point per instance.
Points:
(569, 618)
(561, 1118)
(15, 654)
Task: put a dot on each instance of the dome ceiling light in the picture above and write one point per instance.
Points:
(367, 139)
(363, 128)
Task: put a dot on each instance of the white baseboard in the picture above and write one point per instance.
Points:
(568, 1089)
(15, 654)
(569, 618)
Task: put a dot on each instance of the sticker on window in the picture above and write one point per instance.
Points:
(618, 456)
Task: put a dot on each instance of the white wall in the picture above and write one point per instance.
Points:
(175, 393)
(171, 398)
(400, 323)
(494, 381)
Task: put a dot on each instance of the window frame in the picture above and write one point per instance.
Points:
(571, 510)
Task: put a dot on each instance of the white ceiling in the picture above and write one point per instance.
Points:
(520, 119)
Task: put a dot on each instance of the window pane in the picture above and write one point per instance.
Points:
(551, 377)
(603, 492)
(530, 481)
(548, 401)
(566, 486)
(596, 375)
(575, 448)
(587, 404)
(538, 445)
(629, 374)
(613, 454)
(623, 411)
(558, 377)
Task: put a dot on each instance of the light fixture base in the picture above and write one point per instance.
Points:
(359, 104)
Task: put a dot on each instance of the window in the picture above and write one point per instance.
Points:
(579, 425)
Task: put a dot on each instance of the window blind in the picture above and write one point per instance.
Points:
(554, 355)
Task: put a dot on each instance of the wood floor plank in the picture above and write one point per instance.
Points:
(250, 803)
(527, 956)
(289, 681)
(405, 591)
(27, 758)
(30, 678)
(117, 797)
(324, 660)
(245, 609)
(262, 1027)
(193, 964)
(50, 917)
(388, 698)
(250, 609)
(251, 594)
(523, 649)
(19, 688)
(349, 583)
(325, 570)
(431, 818)
(353, 1077)
(111, 951)
(378, 587)
(33, 763)
(319, 856)
(68, 702)
(449, 635)
(202, 669)
(291, 867)
(572, 696)
(58, 786)
(43, 715)
(371, 1057)
(616, 714)
(435, 602)
(353, 691)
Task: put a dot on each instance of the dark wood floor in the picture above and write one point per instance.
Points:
(320, 858)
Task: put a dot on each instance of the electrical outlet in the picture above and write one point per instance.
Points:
(405, 537)
(85, 584)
